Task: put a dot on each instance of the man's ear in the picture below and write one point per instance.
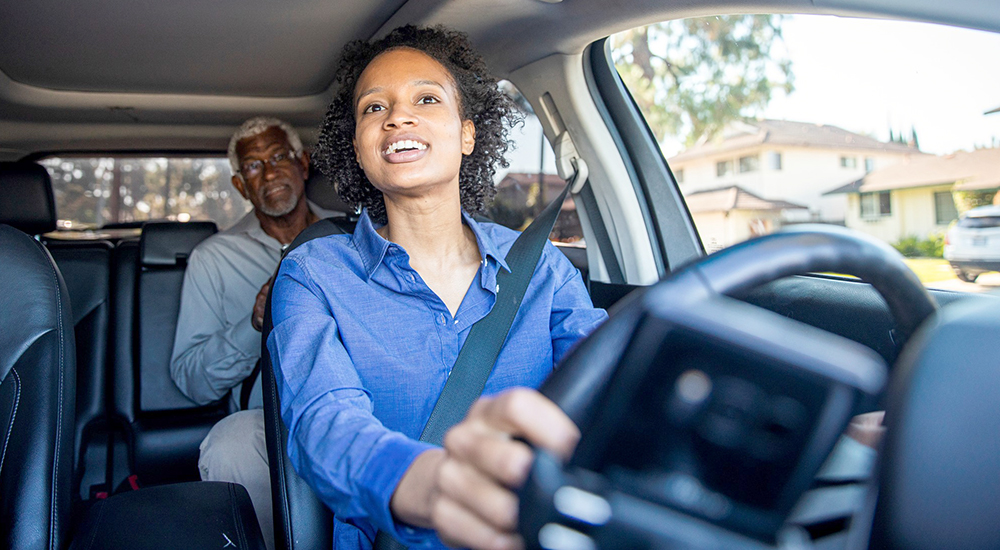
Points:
(468, 137)
(240, 186)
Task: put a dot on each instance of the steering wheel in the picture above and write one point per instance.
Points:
(705, 418)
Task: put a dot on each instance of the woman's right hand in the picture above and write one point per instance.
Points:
(466, 491)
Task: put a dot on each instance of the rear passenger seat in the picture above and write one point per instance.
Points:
(164, 427)
(28, 204)
(130, 417)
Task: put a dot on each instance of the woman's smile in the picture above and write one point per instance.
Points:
(404, 148)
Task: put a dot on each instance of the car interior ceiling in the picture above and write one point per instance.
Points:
(131, 427)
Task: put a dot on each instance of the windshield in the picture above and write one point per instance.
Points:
(886, 127)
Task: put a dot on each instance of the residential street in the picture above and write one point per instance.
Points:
(985, 283)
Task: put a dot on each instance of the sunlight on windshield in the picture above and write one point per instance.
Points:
(889, 128)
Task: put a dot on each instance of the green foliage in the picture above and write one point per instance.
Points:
(692, 77)
(967, 200)
(913, 247)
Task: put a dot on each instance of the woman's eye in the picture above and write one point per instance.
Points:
(427, 99)
(374, 107)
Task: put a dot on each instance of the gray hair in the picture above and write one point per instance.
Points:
(258, 125)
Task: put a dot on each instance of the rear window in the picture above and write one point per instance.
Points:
(980, 223)
(106, 191)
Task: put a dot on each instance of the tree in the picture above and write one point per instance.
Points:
(692, 77)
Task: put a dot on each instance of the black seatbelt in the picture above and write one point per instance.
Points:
(247, 386)
(486, 337)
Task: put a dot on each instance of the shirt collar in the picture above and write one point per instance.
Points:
(373, 248)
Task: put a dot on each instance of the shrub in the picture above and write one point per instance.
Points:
(914, 247)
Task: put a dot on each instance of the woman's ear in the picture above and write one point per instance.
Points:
(357, 156)
(468, 137)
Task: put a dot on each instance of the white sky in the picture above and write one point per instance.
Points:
(869, 75)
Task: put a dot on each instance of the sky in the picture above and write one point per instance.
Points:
(866, 76)
(869, 75)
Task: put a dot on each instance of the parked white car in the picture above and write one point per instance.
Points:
(972, 245)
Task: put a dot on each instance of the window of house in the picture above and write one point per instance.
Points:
(869, 164)
(98, 191)
(848, 162)
(774, 160)
(874, 205)
(723, 168)
(944, 207)
(749, 163)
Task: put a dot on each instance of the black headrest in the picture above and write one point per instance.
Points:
(166, 244)
(26, 200)
(323, 193)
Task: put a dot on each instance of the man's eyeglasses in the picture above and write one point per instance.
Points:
(254, 168)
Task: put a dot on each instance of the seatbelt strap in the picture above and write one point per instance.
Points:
(486, 337)
(247, 386)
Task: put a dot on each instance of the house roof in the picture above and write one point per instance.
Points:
(734, 197)
(745, 135)
(979, 169)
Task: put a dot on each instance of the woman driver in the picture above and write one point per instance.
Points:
(367, 326)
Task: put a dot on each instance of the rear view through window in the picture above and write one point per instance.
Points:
(96, 192)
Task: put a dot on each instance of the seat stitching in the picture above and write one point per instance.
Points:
(53, 509)
(13, 416)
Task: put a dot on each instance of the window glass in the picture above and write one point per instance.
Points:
(893, 133)
(944, 207)
(94, 192)
(530, 181)
(749, 164)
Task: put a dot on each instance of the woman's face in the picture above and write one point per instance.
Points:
(409, 136)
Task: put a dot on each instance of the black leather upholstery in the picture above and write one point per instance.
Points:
(939, 482)
(37, 391)
(168, 244)
(163, 248)
(28, 204)
(86, 270)
(165, 428)
(183, 516)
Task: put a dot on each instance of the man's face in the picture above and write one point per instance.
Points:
(273, 178)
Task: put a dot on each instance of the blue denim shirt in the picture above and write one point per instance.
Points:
(362, 347)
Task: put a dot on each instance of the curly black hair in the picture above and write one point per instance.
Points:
(482, 102)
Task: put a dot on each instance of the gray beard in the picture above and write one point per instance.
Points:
(279, 209)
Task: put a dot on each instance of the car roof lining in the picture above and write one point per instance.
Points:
(193, 103)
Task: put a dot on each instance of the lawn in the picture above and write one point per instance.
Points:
(931, 270)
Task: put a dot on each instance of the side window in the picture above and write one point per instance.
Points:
(530, 181)
(101, 192)
(775, 120)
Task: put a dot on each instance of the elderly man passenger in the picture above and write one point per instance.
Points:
(217, 344)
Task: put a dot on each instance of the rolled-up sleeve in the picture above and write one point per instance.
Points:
(210, 356)
(335, 443)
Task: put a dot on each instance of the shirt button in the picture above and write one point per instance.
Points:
(498, 288)
(443, 319)
(412, 278)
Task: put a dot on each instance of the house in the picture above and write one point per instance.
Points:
(732, 214)
(780, 160)
(921, 196)
(520, 199)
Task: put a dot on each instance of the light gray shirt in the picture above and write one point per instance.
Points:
(215, 346)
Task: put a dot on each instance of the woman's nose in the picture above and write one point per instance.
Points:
(400, 115)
